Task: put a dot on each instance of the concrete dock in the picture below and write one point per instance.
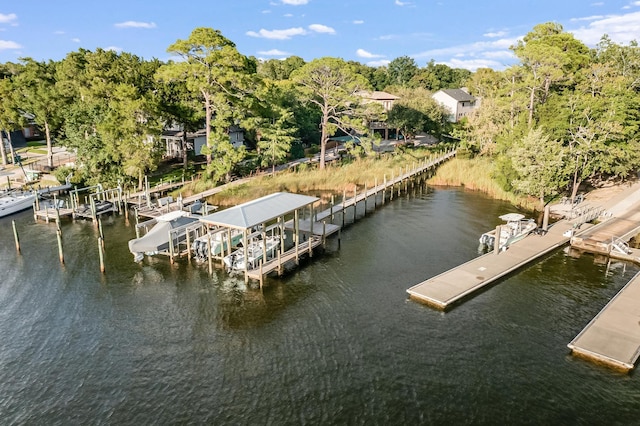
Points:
(450, 287)
(613, 336)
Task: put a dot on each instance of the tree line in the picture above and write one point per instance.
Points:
(112, 107)
(564, 115)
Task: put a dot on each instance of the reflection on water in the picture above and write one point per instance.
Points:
(333, 342)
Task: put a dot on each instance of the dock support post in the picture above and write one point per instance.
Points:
(355, 203)
(391, 185)
(209, 254)
(188, 235)
(15, 235)
(59, 237)
(344, 200)
(324, 234)
(261, 273)
(171, 248)
(296, 236)
(375, 193)
(101, 254)
(496, 242)
(331, 207)
(99, 229)
(545, 219)
(365, 198)
(384, 189)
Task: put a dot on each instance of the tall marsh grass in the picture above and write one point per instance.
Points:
(474, 174)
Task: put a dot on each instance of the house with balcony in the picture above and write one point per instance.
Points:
(458, 102)
(386, 100)
(173, 136)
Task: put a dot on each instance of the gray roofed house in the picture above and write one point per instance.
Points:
(459, 102)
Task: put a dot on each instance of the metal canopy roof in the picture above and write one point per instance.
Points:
(259, 211)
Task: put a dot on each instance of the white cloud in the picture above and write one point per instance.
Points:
(288, 15)
(495, 34)
(364, 54)
(278, 34)
(587, 18)
(472, 49)
(388, 37)
(473, 64)
(135, 24)
(10, 18)
(7, 45)
(380, 63)
(273, 52)
(59, 32)
(620, 28)
(401, 3)
(75, 40)
(599, 3)
(295, 2)
(114, 49)
(358, 22)
(266, 12)
(319, 28)
(498, 54)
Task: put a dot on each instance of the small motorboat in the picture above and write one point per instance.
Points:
(169, 226)
(215, 243)
(515, 229)
(255, 253)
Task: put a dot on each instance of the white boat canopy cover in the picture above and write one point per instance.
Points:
(259, 211)
(512, 217)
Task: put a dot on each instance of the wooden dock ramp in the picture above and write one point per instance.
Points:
(613, 336)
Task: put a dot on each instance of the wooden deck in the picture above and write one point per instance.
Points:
(613, 336)
(452, 286)
(277, 263)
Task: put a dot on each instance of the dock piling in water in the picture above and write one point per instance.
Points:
(15, 235)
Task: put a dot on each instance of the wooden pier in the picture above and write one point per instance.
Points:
(448, 288)
(613, 336)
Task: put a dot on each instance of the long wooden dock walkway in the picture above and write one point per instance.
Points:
(450, 287)
(613, 336)
(386, 185)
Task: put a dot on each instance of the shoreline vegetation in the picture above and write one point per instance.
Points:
(470, 174)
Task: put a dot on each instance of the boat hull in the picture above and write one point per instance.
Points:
(14, 203)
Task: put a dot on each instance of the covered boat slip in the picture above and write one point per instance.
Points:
(268, 214)
(613, 336)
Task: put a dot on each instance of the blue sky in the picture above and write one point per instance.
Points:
(460, 33)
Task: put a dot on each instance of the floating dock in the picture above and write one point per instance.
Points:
(613, 336)
(450, 287)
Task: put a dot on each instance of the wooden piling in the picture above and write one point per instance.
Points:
(101, 254)
(365, 198)
(496, 242)
(355, 203)
(59, 236)
(209, 254)
(15, 235)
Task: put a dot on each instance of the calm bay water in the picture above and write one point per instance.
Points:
(334, 342)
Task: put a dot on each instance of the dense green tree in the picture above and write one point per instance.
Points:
(401, 70)
(36, 83)
(335, 89)
(220, 77)
(416, 111)
(11, 117)
(539, 165)
(112, 118)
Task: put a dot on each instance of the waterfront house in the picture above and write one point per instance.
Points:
(386, 100)
(458, 102)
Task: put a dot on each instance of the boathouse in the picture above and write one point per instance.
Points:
(255, 218)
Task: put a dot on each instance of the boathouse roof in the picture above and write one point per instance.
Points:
(259, 211)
